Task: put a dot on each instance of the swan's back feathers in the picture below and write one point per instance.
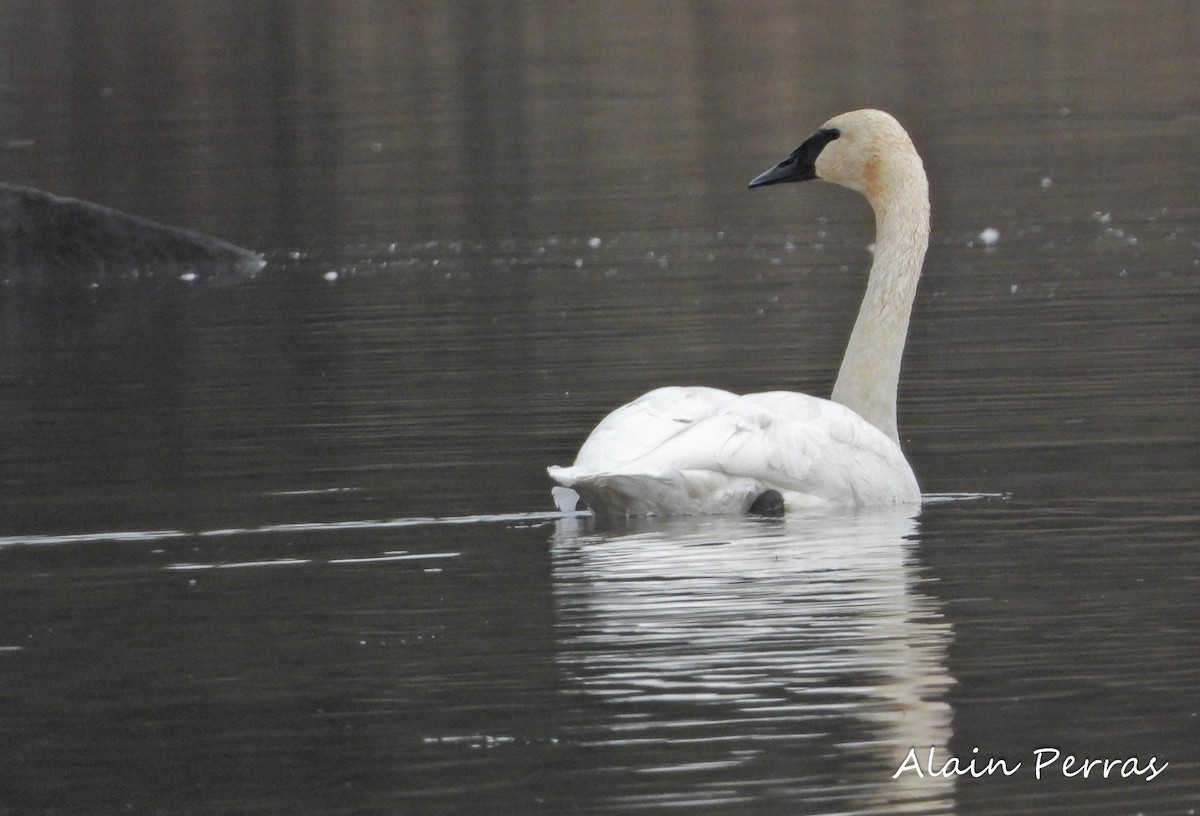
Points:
(815, 452)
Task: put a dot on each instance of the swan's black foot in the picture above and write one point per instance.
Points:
(769, 503)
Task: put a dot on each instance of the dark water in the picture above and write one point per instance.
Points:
(285, 546)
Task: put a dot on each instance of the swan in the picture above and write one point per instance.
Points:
(699, 450)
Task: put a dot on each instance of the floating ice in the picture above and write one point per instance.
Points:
(294, 528)
(274, 562)
(400, 557)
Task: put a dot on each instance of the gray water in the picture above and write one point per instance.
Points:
(287, 546)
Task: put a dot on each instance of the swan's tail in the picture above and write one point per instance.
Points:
(675, 492)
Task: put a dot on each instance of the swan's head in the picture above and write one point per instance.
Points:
(861, 150)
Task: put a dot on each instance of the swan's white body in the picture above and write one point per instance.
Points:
(692, 450)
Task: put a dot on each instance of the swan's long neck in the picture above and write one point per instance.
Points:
(870, 371)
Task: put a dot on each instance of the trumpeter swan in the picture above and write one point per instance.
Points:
(692, 450)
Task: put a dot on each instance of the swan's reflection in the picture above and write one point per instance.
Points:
(755, 662)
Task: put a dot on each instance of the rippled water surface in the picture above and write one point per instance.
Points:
(286, 545)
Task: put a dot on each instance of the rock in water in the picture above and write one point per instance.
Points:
(48, 240)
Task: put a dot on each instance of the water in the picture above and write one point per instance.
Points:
(287, 545)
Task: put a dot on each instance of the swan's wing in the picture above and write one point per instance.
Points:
(641, 426)
(776, 438)
(815, 448)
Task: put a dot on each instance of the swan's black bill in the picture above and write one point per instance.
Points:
(802, 164)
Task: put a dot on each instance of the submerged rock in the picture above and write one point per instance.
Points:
(49, 240)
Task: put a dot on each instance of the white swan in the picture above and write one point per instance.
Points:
(692, 450)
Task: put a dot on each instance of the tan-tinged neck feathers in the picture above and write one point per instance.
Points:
(894, 182)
